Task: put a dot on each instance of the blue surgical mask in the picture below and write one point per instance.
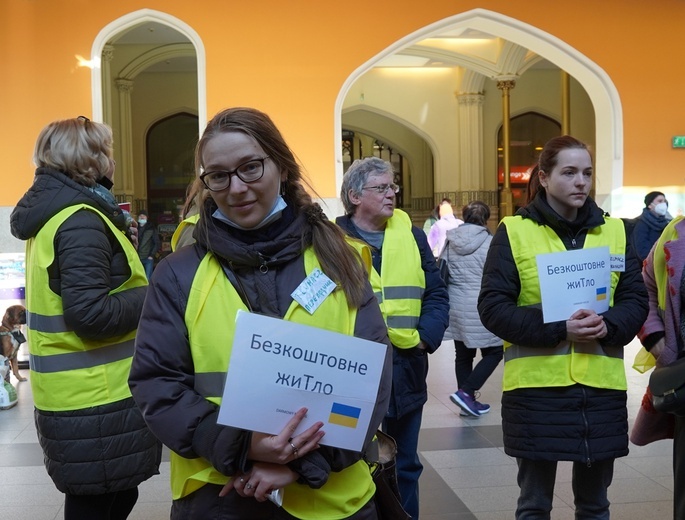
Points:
(272, 216)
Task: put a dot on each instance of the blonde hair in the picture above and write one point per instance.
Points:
(78, 147)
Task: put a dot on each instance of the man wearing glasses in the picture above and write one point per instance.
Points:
(413, 299)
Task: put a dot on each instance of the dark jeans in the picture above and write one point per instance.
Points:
(470, 378)
(405, 431)
(148, 264)
(590, 484)
(679, 469)
(110, 506)
(205, 503)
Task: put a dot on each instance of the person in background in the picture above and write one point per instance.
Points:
(564, 383)
(148, 242)
(85, 288)
(413, 299)
(434, 216)
(259, 236)
(662, 336)
(438, 231)
(650, 223)
(467, 247)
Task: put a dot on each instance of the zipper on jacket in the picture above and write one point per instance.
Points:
(573, 242)
(587, 428)
(263, 268)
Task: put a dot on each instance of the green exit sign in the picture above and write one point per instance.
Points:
(679, 141)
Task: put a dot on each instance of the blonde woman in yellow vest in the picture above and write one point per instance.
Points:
(85, 288)
(413, 299)
(564, 385)
(259, 235)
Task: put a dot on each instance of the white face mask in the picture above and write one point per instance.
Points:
(273, 215)
(142, 222)
(661, 209)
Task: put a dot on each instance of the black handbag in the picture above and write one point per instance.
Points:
(667, 385)
(443, 264)
(384, 474)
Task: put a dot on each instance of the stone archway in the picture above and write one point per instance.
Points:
(599, 87)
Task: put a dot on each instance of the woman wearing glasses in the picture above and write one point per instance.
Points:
(85, 288)
(256, 240)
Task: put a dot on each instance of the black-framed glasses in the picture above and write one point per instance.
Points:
(383, 188)
(219, 180)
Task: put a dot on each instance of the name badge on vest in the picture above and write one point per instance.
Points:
(617, 263)
(313, 290)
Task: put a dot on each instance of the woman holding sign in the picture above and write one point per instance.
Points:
(564, 387)
(258, 238)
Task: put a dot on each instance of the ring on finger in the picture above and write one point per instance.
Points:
(242, 479)
(295, 450)
(248, 486)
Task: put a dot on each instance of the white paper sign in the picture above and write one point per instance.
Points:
(572, 280)
(278, 367)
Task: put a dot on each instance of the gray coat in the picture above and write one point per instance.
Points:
(465, 250)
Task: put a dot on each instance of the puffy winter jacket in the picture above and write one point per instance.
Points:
(576, 422)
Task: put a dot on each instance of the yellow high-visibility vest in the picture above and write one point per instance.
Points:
(211, 296)
(567, 363)
(401, 283)
(69, 372)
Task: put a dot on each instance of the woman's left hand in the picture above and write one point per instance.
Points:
(261, 481)
(585, 325)
(284, 447)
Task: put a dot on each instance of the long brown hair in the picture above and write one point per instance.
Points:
(338, 259)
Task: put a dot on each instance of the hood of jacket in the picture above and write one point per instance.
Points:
(262, 248)
(51, 192)
(589, 216)
(467, 238)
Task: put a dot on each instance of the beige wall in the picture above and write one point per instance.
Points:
(298, 57)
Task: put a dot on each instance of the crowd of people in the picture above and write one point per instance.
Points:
(125, 360)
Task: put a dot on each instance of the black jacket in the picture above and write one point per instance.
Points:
(568, 423)
(410, 366)
(105, 448)
(269, 265)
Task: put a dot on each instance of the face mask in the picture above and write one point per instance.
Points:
(273, 215)
(142, 222)
(661, 209)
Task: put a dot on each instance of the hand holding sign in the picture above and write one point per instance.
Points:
(585, 325)
(283, 448)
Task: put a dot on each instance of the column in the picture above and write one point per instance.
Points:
(470, 117)
(565, 103)
(506, 203)
(124, 172)
(106, 63)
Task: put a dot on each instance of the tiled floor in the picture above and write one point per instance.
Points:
(467, 476)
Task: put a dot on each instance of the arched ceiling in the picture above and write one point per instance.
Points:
(483, 54)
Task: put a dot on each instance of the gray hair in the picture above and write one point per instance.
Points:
(357, 175)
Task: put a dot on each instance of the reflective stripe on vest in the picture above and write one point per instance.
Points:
(211, 296)
(567, 363)
(97, 369)
(401, 283)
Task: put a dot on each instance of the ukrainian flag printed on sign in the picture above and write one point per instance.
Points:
(602, 293)
(344, 415)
